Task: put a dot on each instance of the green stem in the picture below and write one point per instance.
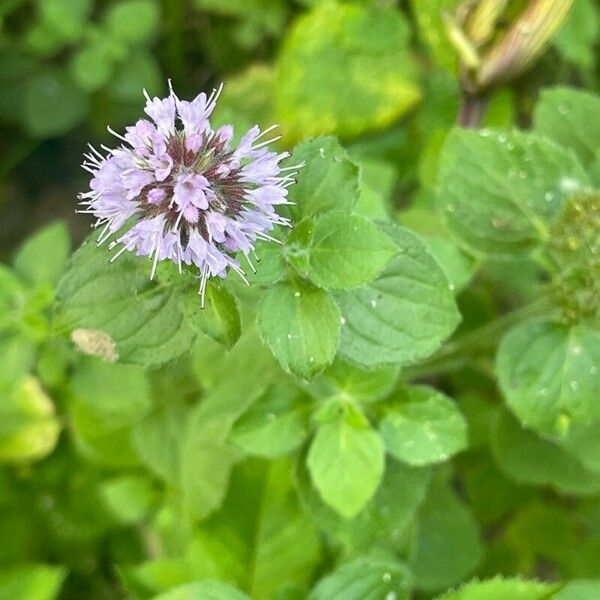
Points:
(472, 346)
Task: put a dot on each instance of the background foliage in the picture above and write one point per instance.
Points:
(406, 401)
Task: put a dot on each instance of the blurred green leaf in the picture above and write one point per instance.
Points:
(527, 458)
(52, 104)
(29, 427)
(344, 69)
(579, 34)
(43, 257)
(31, 582)
(203, 590)
(447, 547)
(572, 119)
(128, 498)
(133, 21)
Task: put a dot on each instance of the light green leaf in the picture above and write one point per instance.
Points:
(340, 251)
(52, 104)
(29, 427)
(527, 458)
(384, 520)
(301, 325)
(129, 498)
(219, 319)
(498, 190)
(572, 119)
(548, 373)
(133, 21)
(141, 317)
(404, 314)
(66, 18)
(357, 61)
(425, 427)
(327, 180)
(365, 578)
(502, 589)
(275, 425)
(31, 582)
(43, 257)
(92, 65)
(203, 590)
(447, 546)
(346, 465)
(579, 590)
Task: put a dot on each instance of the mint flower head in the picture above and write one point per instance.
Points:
(193, 198)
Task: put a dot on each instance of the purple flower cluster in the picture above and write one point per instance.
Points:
(192, 198)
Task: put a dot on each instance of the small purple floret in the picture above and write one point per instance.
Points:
(193, 198)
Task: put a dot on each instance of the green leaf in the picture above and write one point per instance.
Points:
(365, 578)
(107, 401)
(341, 251)
(527, 458)
(203, 590)
(327, 180)
(404, 314)
(92, 65)
(425, 427)
(133, 21)
(43, 257)
(501, 589)
(66, 18)
(12, 299)
(140, 71)
(142, 318)
(447, 546)
(346, 465)
(157, 439)
(31, 582)
(351, 381)
(579, 590)
(383, 521)
(275, 425)
(572, 119)
(548, 373)
(219, 319)
(579, 34)
(52, 105)
(260, 538)
(29, 427)
(301, 325)
(128, 498)
(357, 61)
(498, 190)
